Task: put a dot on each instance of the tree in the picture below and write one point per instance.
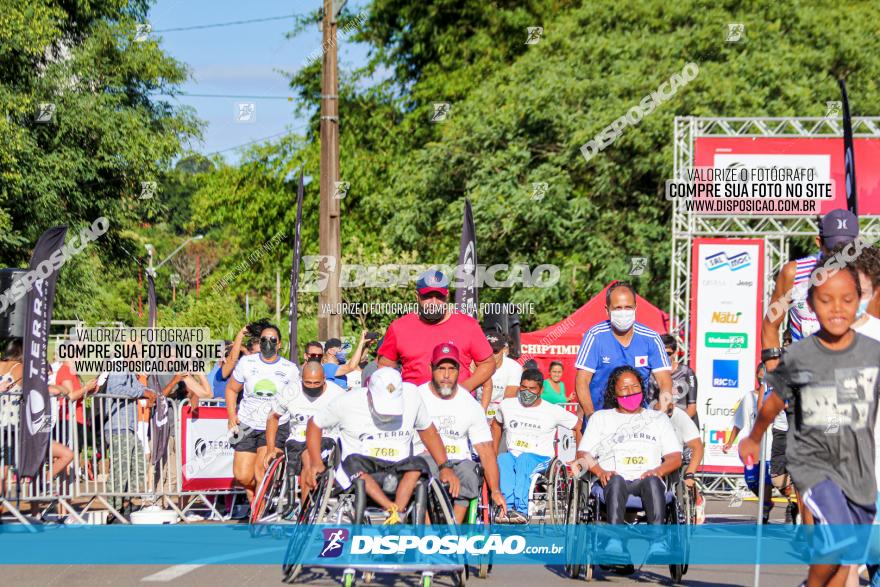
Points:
(520, 114)
(83, 127)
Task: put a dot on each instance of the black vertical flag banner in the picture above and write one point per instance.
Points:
(294, 270)
(849, 155)
(151, 301)
(466, 272)
(160, 431)
(36, 410)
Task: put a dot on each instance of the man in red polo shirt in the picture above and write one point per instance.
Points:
(411, 338)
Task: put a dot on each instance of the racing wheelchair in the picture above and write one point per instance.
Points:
(586, 505)
(549, 488)
(329, 504)
(277, 496)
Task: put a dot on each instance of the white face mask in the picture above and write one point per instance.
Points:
(622, 320)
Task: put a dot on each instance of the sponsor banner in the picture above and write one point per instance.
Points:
(726, 303)
(36, 425)
(825, 155)
(420, 548)
(467, 260)
(206, 458)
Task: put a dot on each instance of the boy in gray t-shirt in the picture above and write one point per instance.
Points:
(830, 382)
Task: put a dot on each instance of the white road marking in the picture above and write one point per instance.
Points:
(177, 571)
(172, 573)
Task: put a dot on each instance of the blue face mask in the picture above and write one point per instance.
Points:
(863, 308)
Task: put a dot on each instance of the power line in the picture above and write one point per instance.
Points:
(260, 140)
(189, 95)
(225, 24)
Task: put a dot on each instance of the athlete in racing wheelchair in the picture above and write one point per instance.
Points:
(461, 423)
(529, 469)
(629, 452)
(276, 496)
(376, 426)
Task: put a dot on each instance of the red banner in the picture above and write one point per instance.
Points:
(826, 155)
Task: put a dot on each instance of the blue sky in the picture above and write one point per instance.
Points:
(242, 60)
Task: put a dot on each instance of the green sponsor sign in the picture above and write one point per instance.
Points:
(727, 340)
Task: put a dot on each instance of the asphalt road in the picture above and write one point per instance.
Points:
(503, 575)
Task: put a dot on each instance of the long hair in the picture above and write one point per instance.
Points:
(610, 394)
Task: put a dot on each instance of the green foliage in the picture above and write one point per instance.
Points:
(520, 114)
(108, 134)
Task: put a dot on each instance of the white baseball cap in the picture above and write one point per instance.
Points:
(386, 390)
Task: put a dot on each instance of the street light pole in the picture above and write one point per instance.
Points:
(177, 250)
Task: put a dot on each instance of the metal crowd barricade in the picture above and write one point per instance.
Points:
(43, 488)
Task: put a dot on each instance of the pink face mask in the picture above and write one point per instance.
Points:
(630, 403)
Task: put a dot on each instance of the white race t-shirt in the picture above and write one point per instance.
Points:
(293, 401)
(532, 429)
(458, 419)
(745, 415)
(507, 375)
(685, 429)
(261, 382)
(354, 379)
(629, 444)
(871, 329)
(361, 434)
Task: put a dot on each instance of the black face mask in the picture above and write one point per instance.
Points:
(313, 392)
(432, 313)
(268, 348)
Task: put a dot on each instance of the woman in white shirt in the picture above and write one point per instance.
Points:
(629, 448)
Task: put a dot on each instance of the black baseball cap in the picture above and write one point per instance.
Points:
(838, 227)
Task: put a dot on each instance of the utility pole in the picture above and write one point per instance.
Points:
(330, 324)
(278, 297)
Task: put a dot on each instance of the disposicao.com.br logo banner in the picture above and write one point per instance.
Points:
(330, 545)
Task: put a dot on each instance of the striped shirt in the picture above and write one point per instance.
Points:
(802, 322)
(601, 353)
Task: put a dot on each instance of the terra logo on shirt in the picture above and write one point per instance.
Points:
(725, 373)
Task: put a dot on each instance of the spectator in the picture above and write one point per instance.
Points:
(505, 381)
(371, 367)
(336, 368)
(684, 381)
(313, 351)
(411, 338)
(127, 459)
(10, 401)
(216, 378)
(618, 342)
(554, 388)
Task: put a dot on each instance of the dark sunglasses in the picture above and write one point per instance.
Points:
(314, 355)
(268, 339)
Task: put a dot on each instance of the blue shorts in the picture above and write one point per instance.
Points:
(831, 507)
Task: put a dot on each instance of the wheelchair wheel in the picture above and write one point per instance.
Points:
(573, 570)
(348, 579)
(439, 504)
(485, 517)
(557, 492)
(676, 516)
(270, 495)
(313, 510)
